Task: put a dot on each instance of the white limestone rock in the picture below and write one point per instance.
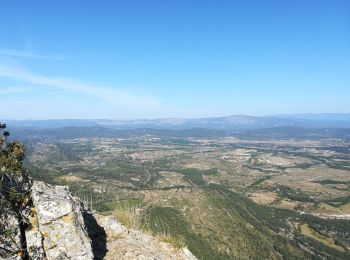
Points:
(10, 234)
(187, 254)
(60, 223)
(11, 221)
(35, 244)
(111, 225)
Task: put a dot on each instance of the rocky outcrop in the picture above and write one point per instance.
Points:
(57, 225)
(14, 190)
(10, 233)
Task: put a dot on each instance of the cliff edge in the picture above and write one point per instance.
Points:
(57, 225)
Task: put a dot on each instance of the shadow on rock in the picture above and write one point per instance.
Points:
(97, 235)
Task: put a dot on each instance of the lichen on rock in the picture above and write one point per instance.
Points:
(60, 223)
(10, 233)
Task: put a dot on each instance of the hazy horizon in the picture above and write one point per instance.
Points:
(297, 115)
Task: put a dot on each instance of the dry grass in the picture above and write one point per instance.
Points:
(263, 197)
(306, 180)
(309, 232)
(329, 209)
(176, 242)
(345, 208)
(72, 178)
(288, 204)
(131, 218)
(170, 179)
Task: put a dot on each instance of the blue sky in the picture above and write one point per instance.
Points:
(151, 59)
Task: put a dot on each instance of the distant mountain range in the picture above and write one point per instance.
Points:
(234, 122)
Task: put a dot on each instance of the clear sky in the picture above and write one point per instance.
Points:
(180, 58)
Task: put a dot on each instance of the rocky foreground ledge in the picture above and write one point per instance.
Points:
(60, 227)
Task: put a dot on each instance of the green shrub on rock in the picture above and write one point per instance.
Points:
(14, 196)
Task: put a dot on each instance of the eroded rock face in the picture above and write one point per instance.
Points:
(11, 221)
(10, 234)
(57, 228)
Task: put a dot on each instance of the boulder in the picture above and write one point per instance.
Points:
(57, 225)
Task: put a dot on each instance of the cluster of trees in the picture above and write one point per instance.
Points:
(297, 195)
(170, 222)
(14, 181)
(196, 175)
(14, 196)
(338, 227)
(11, 154)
